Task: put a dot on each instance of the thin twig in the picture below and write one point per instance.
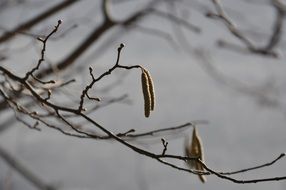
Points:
(255, 167)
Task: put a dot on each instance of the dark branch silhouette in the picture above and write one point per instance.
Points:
(39, 106)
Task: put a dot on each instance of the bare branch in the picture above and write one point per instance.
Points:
(273, 39)
(255, 167)
(25, 26)
(242, 181)
(44, 41)
(165, 145)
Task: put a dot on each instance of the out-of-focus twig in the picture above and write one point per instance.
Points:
(27, 25)
(274, 38)
(24, 171)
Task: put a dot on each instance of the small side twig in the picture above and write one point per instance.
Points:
(165, 145)
(241, 181)
(94, 80)
(255, 167)
(44, 41)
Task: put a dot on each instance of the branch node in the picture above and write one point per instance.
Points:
(165, 145)
(126, 133)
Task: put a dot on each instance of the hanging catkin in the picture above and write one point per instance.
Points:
(151, 89)
(148, 92)
(195, 149)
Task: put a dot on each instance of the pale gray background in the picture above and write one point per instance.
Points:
(242, 131)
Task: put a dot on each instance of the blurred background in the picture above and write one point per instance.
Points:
(202, 73)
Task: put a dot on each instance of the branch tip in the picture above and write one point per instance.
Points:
(121, 46)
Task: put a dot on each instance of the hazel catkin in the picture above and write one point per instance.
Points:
(151, 89)
(146, 93)
(195, 149)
